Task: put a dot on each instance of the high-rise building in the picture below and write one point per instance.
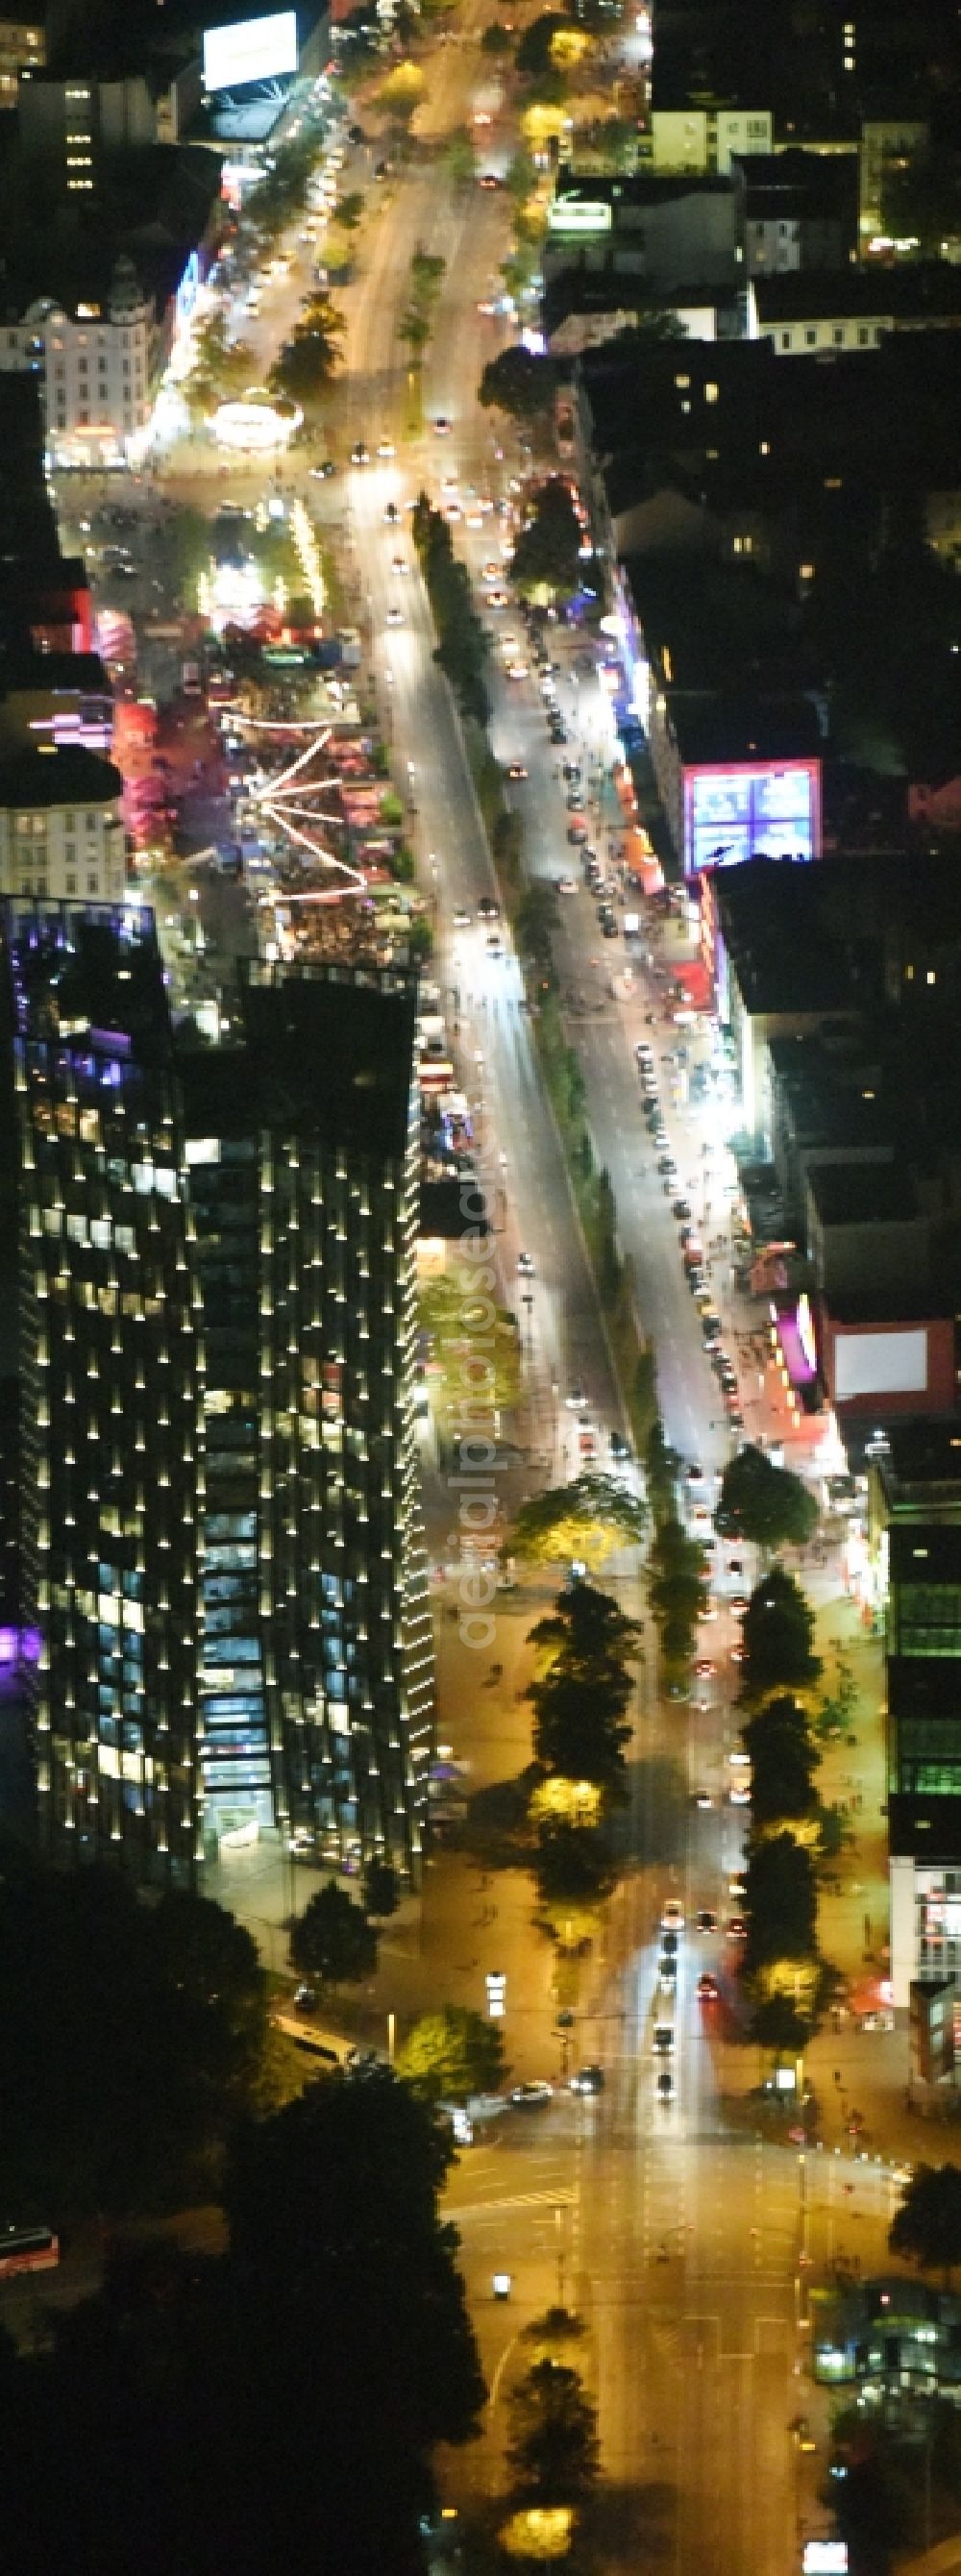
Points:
(215, 1587)
(100, 1380)
(301, 1146)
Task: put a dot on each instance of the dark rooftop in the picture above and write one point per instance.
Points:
(710, 727)
(931, 287)
(863, 1194)
(55, 776)
(321, 1049)
(640, 189)
(928, 1552)
(926, 1829)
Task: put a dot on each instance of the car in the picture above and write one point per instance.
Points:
(737, 1604)
(494, 945)
(305, 1999)
(359, 454)
(517, 769)
(394, 617)
(498, 598)
(558, 732)
(735, 1565)
(667, 1968)
(644, 1052)
(737, 1888)
(707, 1988)
(391, 514)
(672, 1915)
(694, 1475)
(705, 1919)
(531, 2097)
(517, 670)
(575, 800)
(736, 1928)
(588, 2079)
(382, 169)
(739, 1794)
(669, 1941)
(802, 2434)
(681, 1209)
(739, 1760)
(663, 2038)
(576, 833)
(665, 2085)
(666, 1164)
(441, 425)
(701, 1798)
(487, 909)
(735, 1418)
(576, 1398)
(619, 1447)
(565, 885)
(738, 1654)
(490, 178)
(525, 1264)
(461, 917)
(705, 1668)
(385, 447)
(609, 929)
(398, 564)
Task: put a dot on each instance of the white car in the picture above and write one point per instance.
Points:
(525, 1264)
(385, 447)
(462, 918)
(398, 565)
(565, 885)
(395, 617)
(672, 1915)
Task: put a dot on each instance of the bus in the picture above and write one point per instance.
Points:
(27, 2249)
(329, 2048)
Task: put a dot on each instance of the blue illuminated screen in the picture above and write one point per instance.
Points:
(742, 813)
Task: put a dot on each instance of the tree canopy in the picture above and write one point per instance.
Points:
(553, 2451)
(130, 2049)
(332, 1938)
(580, 1700)
(927, 2227)
(451, 2054)
(307, 363)
(535, 51)
(784, 1760)
(777, 1632)
(587, 1521)
(547, 553)
(764, 1503)
(519, 383)
(781, 1906)
(329, 2344)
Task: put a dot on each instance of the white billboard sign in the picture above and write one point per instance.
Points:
(252, 50)
(880, 1364)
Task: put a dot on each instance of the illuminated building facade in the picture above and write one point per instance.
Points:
(914, 1529)
(317, 1681)
(101, 1381)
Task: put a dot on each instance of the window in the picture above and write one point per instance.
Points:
(93, 885)
(71, 885)
(837, 335)
(811, 339)
(786, 339)
(863, 336)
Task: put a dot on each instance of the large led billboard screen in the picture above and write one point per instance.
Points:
(255, 49)
(751, 810)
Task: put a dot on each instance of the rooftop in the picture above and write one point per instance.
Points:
(52, 775)
(641, 189)
(913, 289)
(921, 1458)
(863, 1194)
(710, 727)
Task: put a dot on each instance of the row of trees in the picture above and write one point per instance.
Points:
(461, 650)
(676, 1574)
(784, 1972)
(416, 324)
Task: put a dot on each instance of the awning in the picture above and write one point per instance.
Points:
(693, 983)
